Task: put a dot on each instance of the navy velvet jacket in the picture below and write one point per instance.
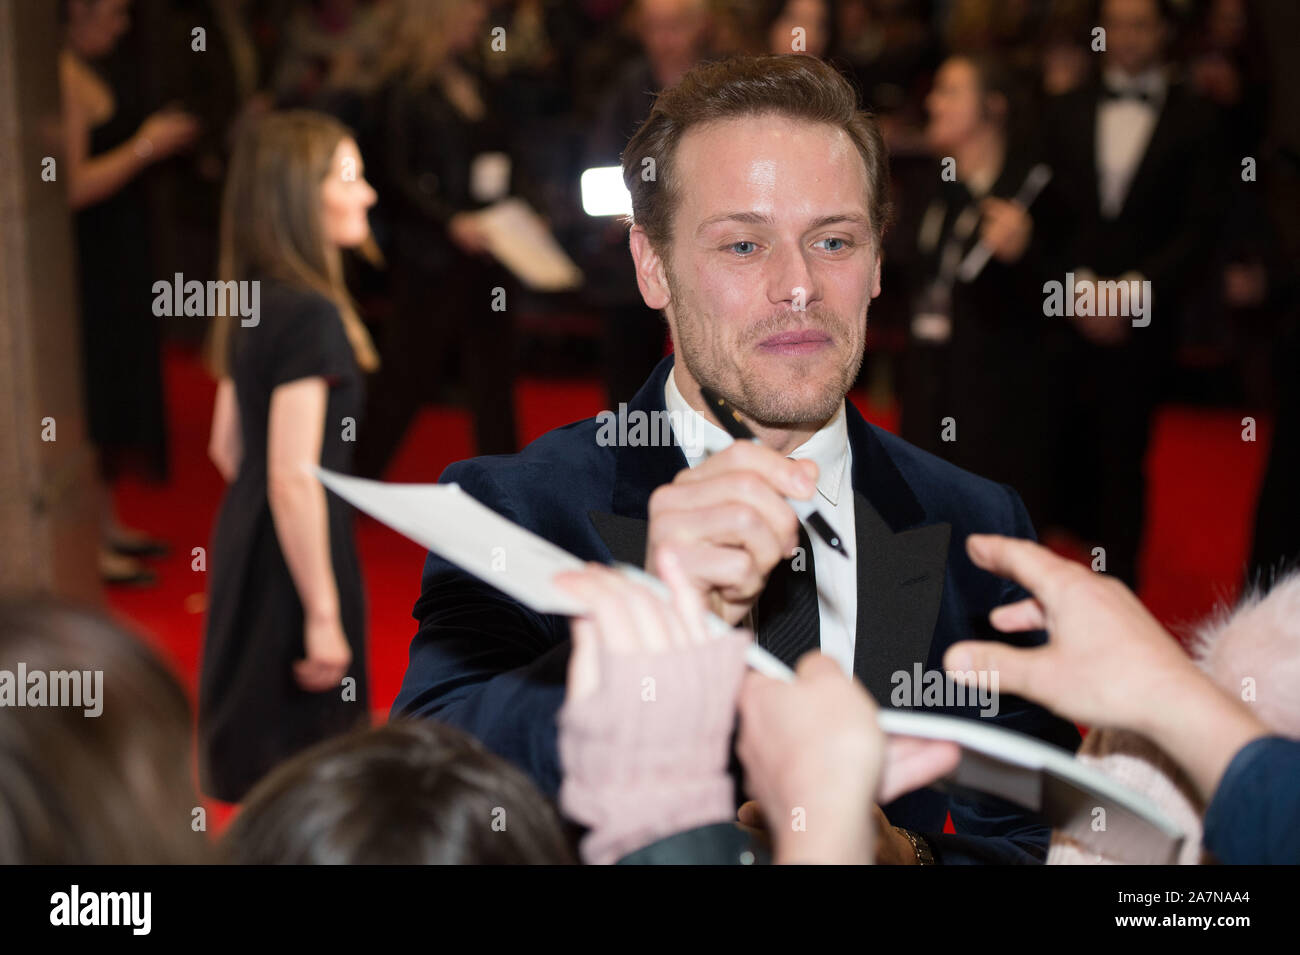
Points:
(486, 664)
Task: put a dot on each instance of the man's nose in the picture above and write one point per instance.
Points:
(791, 279)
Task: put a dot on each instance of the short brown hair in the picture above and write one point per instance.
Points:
(800, 87)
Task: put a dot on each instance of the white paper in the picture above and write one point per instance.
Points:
(449, 522)
(1050, 781)
(456, 527)
(522, 243)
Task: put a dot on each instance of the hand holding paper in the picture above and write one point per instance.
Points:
(520, 240)
(1011, 765)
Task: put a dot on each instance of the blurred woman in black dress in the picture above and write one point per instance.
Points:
(284, 655)
(973, 389)
(445, 156)
(105, 152)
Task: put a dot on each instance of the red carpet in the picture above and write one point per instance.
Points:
(1204, 480)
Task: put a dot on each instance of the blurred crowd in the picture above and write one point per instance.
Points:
(1141, 142)
(458, 103)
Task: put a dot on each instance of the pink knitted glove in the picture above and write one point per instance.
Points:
(645, 755)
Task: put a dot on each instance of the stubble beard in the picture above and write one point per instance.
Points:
(713, 363)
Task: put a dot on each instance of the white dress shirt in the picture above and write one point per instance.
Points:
(837, 578)
(1124, 128)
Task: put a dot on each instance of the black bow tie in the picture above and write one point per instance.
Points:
(1128, 92)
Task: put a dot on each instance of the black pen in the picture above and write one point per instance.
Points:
(730, 420)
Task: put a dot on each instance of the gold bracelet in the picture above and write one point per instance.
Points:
(922, 848)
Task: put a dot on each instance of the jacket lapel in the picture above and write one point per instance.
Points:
(901, 566)
(1162, 135)
(1087, 139)
(638, 470)
(624, 536)
(900, 583)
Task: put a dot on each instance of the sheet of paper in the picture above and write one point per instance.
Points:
(456, 527)
(522, 243)
(476, 538)
(1051, 782)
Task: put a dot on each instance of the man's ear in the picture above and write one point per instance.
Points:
(875, 278)
(650, 275)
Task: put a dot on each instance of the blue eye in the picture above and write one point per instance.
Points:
(843, 243)
(735, 247)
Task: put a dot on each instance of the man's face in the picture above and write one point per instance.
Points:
(771, 266)
(671, 30)
(1135, 34)
(955, 106)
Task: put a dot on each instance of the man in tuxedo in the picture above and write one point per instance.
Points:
(759, 196)
(1134, 197)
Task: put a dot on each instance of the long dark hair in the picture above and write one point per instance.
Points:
(271, 220)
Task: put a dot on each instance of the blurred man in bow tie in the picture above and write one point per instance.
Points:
(1137, 168)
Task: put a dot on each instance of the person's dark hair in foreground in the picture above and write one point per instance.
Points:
(108, 779)
(409, 793)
